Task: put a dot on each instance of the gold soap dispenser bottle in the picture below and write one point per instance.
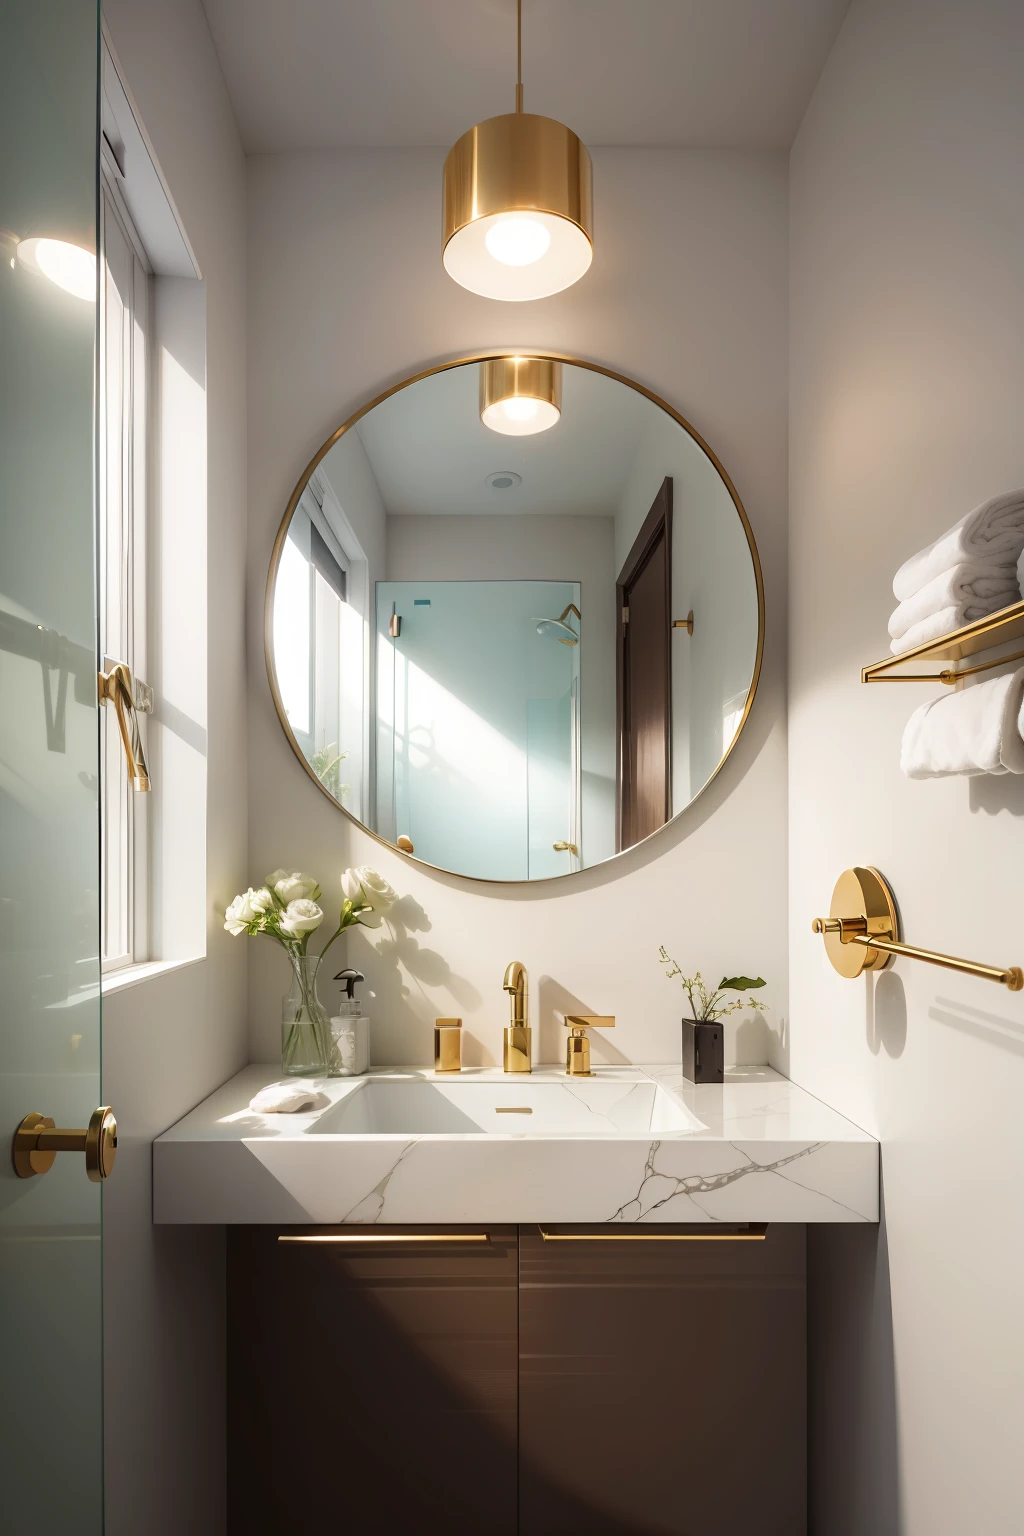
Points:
(516, 1053)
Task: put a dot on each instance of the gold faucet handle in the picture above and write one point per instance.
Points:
(590, 1021)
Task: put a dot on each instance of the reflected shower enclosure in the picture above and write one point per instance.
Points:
(478, 734)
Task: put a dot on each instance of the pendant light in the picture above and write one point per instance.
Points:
(518, 204)
(520, 395)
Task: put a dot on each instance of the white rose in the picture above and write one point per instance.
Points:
(300, 917)
(262, 900)
(294, 887)
(364, 887)
(240, 913)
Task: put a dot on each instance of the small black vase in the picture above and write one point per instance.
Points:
(703, 1050)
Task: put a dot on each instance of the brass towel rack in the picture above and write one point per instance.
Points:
(994, 629)
(863, 933)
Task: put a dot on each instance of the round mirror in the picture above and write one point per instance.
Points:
(514, 616)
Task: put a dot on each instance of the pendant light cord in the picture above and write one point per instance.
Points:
(519, 55)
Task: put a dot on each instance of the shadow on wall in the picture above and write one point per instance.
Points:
(853, 1460)
(992, 1028)
(885, 1013)
(407, 968)
(992, 793)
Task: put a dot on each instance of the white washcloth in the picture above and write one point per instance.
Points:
(975, 731)
(977, 586)
(993, 533)
(288, 1098)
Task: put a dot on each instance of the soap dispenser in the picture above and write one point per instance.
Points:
(350, 1031)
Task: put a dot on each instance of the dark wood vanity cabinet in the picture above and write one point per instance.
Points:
(518, 1387)
(372, 1387)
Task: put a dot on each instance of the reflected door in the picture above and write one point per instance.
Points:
(50, 1235)
(644, 677)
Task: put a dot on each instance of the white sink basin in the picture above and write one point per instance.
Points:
(584, 1107)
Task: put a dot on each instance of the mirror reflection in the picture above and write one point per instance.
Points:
(514, 618)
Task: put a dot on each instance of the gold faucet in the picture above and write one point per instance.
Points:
(577, 1052)
(516, 1055)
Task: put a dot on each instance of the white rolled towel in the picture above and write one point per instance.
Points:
(291, 1098)
(980, 589)
(975, 731)
(992, 533)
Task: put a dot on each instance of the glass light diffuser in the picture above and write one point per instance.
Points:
(520, 395)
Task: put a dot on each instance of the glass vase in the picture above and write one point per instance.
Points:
(305, 1027)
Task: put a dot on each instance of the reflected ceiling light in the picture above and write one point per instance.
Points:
(69, 266)
(520, 395)
(518, 204)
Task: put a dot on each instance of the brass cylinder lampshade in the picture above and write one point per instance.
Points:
(518, 208)
(520, 395)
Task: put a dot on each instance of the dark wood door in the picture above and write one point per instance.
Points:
(662, 1387)
(371, 1389)
(643, 677)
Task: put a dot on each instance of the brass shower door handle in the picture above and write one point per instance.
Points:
(566, 848)
(37, 1142)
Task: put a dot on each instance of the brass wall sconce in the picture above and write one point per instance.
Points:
(115, 687)
(863, 933)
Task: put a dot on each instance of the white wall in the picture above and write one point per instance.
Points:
(907, 311)
(687, 294)
(537, 547)
(169, 1041)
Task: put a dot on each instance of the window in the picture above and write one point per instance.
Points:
(319, 644)
(124, 404)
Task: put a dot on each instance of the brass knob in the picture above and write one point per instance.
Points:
(405, 844)
(37, 1142)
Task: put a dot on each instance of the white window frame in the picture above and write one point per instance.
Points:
(122, 543)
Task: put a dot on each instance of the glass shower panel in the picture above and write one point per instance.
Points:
(50, 1238)
(460, 689)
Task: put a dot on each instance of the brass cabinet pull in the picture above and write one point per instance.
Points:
(115, 687)
(384, 1237)
(37, 1142)
(864, 915)
(754, 1232)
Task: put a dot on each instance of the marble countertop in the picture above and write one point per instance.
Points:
(762, 1150)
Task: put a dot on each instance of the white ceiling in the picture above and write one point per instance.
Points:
(318, 74)
(431, 454)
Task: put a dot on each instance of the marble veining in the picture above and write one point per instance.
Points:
(756, 1148)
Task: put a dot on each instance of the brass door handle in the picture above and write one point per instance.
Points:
(566, 848)
(37, 1142)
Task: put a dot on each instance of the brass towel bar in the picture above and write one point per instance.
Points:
(863, 933)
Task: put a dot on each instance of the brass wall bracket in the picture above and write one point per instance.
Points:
(115, 687)
(37, 1142)
(686, 623)
(862, 933)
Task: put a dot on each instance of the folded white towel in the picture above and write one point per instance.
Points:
(985, 587)
(930, 629)
(993, 532)
(288, 1098)
(975, 731)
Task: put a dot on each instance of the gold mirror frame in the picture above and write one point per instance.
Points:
(282, 534)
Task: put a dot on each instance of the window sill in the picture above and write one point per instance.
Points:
(131, 975)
